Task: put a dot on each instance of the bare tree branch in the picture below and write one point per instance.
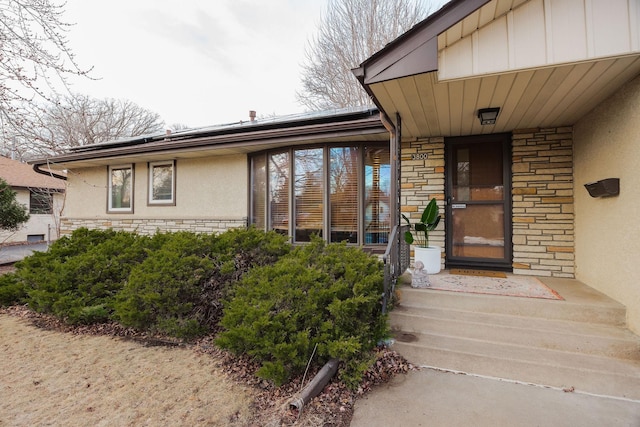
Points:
(350, 32)
(76, 120)
(35, 58)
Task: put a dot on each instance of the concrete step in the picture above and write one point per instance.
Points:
(579, 342)
(591, 310)
(584, 373)
(570, 336)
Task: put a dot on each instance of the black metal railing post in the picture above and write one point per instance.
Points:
(396, 260)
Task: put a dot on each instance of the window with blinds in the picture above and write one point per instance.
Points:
(279, 171)
(309, 193)
(259, 191)
(377, 188)
(343, 193)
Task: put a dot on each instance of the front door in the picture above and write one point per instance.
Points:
(478, 210)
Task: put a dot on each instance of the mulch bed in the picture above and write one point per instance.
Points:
(332, 407)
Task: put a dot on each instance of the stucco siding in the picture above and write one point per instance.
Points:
(607, 145)
(46, 225)
(213, 187)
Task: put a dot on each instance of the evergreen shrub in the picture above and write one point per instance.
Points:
(179, 289)
(327, 295)
(79, 276)
(12, 291)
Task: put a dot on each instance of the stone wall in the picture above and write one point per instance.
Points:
(150, 226)
(543, 214)
(542, 194)
(422, 178)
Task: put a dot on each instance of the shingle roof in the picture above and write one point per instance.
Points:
(18, 174)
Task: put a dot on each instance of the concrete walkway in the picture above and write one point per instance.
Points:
(433, 398)
(11, 254)
(490, 360)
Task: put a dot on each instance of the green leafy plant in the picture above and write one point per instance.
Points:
(161, 291)
(180, 287)
(319, 294)
(12, 291)
(428, 222)
(174, 283)
(79, 277)
(12, 213)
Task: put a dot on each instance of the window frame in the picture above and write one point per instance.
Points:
(111, 168)
(41, 193)
(362, 147)
(161, 202)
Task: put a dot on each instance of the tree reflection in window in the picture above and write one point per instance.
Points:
(279, 192)
(308, 190)
(343, 187)
(377, 181)
(120, 188)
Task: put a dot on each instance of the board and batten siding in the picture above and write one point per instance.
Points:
(540, 33)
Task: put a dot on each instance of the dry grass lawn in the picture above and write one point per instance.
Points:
(54, 378)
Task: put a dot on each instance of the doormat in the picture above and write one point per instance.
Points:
(484, 273)
(513, 286)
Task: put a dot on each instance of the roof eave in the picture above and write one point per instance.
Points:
(416, 51)
(363, 124)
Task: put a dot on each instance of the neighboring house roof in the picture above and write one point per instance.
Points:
(544, 63)
(22, 175)
(243, 137)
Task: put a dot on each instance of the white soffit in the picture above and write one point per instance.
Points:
(544, 97)
(545, 63)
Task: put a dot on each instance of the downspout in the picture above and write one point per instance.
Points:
(36, 167)
(316, 385)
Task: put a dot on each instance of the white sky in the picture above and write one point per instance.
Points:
(194, 62)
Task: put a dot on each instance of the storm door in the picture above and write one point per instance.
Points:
(478, 211)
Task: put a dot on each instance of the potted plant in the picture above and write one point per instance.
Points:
(418, 235)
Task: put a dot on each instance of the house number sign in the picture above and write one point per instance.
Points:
(419, 156)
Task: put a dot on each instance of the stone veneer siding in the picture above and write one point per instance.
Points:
(542, 195)
(150, 226)
(422, 178)
(543, 215)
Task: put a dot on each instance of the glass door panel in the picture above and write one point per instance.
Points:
(478, 229)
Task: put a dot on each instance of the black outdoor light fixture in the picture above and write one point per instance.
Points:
(488, 116)
(604, 188)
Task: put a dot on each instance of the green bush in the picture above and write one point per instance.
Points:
(12, 291)
(179, 289)
(324, 295)
(79, 276)
(161, 290)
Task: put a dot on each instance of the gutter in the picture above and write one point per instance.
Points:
(360, 126)
(36, 167)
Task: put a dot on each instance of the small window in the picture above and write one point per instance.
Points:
(121, 188)
(40, 202)
(162, 183)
